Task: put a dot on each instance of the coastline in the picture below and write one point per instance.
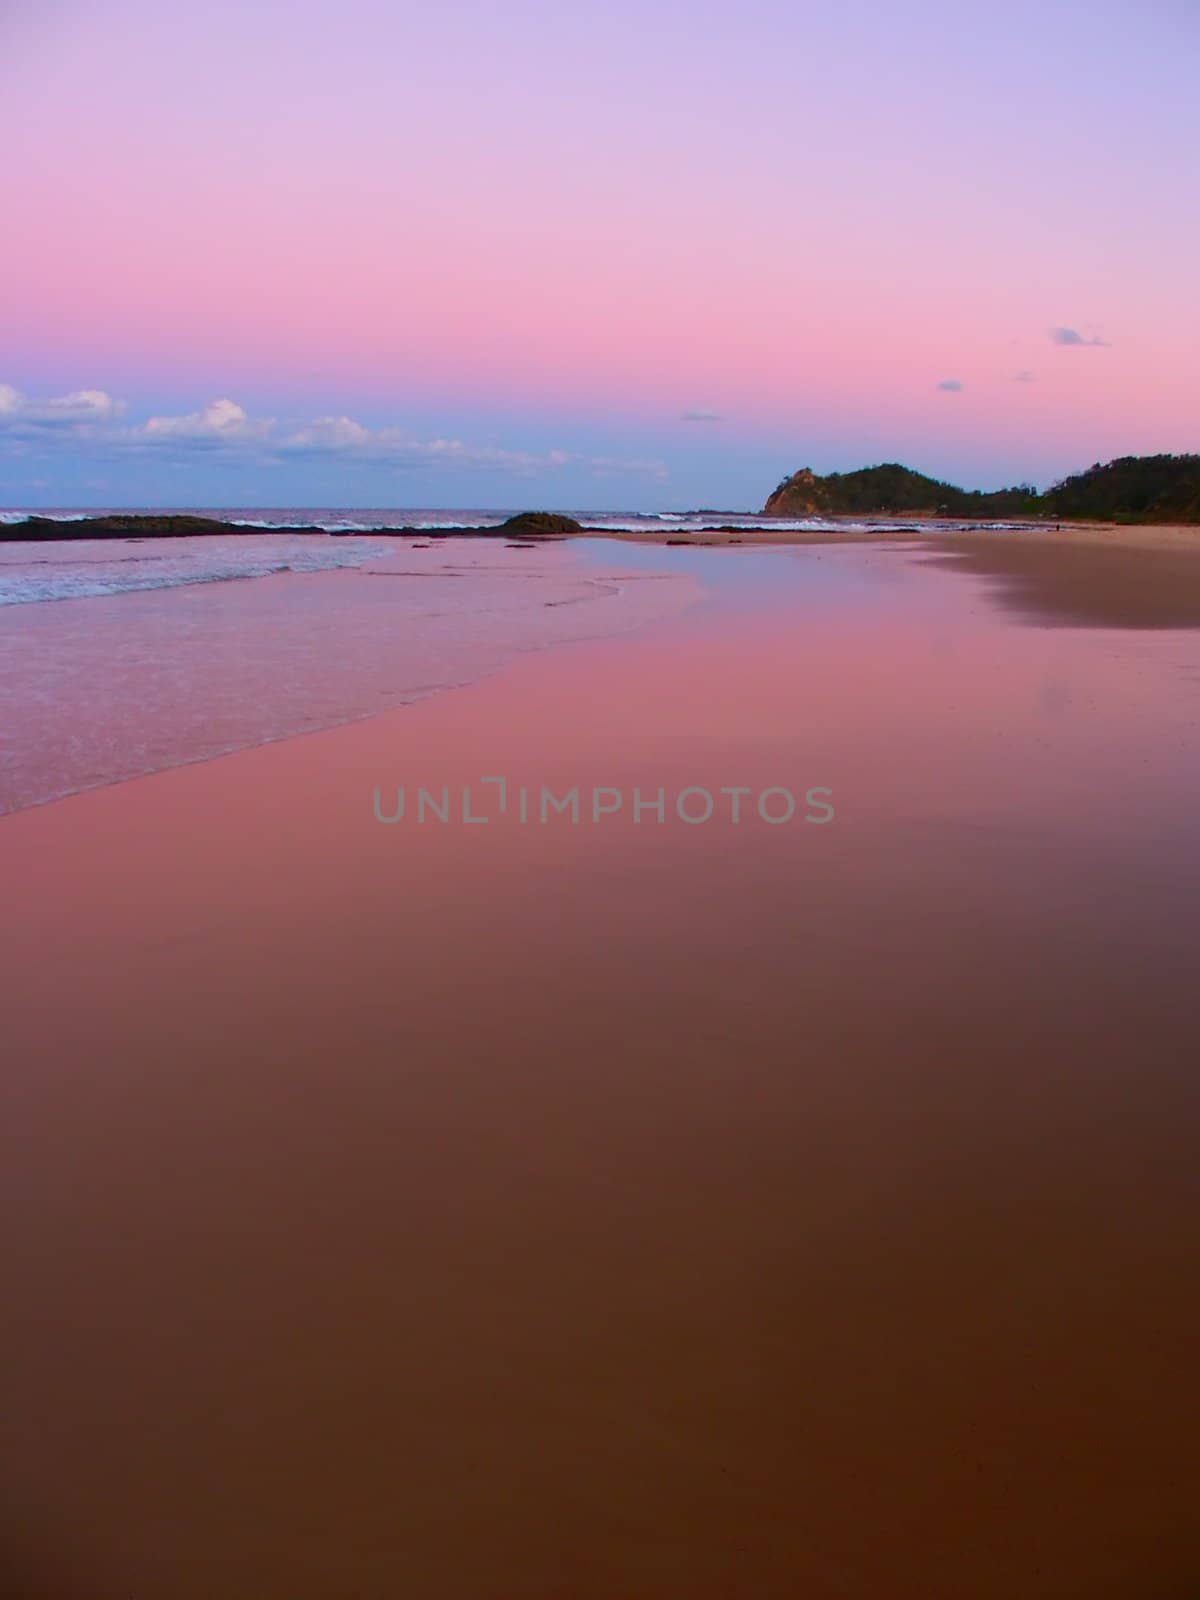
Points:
(837, 528)
(847, 528)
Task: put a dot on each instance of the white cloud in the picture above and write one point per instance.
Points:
(344, 437)
(328, 436)
(82, 406)
(220, 423)
(224, 427)
(80, 410)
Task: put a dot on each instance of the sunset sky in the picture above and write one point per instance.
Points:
(605, 254)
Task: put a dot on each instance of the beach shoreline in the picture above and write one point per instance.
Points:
(297, 651)
(836, 528)
(99, 687)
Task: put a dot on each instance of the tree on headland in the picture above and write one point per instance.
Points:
(1133, 489)
(889, 489)
(1161, 488)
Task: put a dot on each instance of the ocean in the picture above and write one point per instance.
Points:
(80, 569)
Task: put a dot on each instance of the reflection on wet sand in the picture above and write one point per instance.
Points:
(628, 1210)
(1086, 583)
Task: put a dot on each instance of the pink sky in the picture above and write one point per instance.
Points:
(548, 231)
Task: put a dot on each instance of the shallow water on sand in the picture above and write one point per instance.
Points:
(628, 1208)
(182, 664)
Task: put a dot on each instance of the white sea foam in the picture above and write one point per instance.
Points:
(89, 568)
(110, 689)
(663, 522)
(8, 518)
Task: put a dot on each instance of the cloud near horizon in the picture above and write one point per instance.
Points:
(224, 428)
(701, 414)
(81, 409)
(221, 424)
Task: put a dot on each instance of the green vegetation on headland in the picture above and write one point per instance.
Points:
(1131, 489)
(889, 489)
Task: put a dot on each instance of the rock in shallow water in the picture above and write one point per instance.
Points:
(539, 525)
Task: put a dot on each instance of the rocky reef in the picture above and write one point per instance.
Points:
(171, 525)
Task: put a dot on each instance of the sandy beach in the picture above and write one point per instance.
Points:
(599, 801)
(1093, 573)
(624, 1208)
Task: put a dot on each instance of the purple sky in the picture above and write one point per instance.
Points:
(601, 255)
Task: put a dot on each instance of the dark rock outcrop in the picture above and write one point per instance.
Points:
(180, 525)
(124, 525)
(539, 525)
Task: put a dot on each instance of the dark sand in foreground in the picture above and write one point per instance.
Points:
(626, 1211)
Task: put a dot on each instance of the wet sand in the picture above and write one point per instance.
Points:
(1086, 574)
(851, 530)
(110, 687)
(1107, 580)
(628, 1210)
